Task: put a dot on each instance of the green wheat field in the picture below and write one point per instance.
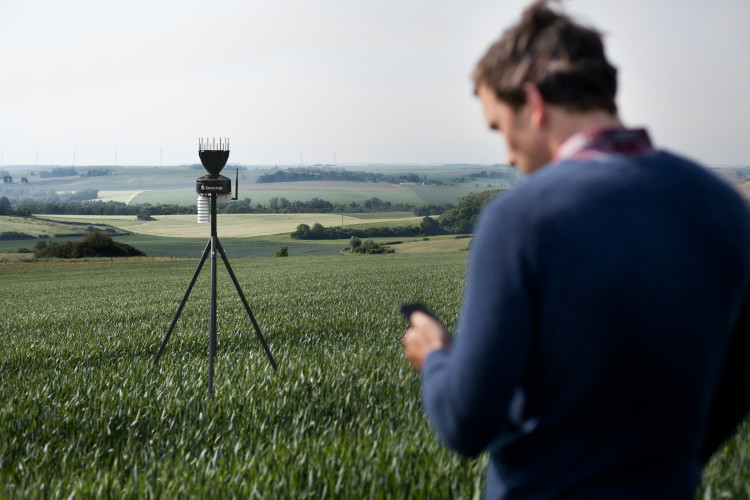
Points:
(84, 413)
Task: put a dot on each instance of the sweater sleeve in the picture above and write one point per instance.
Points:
(732, 398)
(467, 391)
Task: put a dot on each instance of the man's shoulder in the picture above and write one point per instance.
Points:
(573, 179)
(584, 186)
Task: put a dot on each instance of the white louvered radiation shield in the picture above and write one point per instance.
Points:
(204, 214)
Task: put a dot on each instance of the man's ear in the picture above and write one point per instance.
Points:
(537, 106)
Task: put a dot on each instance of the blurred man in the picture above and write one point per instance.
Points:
(603, 348)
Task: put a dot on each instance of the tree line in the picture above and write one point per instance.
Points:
(318, 205)
(319, 232)
(507, 174)
(87, 207)
(453, 218)
(80, 204)
(298, 174)
(460, 219)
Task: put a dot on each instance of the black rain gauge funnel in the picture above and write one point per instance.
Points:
(213, 161)
(211, 189)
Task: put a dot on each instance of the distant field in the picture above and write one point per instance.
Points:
(231, 225)
(438, 195)
(176, 185)
(43, 227)
(122, 196)
(242, 235)
(438, 244)
(159, 246)
(32, 226)
(335, 192)
(178, 196)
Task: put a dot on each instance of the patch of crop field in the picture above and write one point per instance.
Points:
(15, 256)
(176, 196)
(445, 172)
(13, 245)
(259, 246)
(121, 196)
(119, 178)
(381, 215)
(84, 411)
(41, 226)
(335, 192)
(31, 226)
(231, 225)
(160, 246)
(435, 244)
(438, 195)
(122, 221)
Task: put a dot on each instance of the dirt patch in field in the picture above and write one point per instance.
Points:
(434, 246)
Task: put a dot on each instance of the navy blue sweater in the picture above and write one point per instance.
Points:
(603, 348)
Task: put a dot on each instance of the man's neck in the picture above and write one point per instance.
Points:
(563, 124)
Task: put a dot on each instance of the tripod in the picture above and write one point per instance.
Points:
(212, 247)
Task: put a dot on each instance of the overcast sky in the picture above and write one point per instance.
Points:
(367, 81)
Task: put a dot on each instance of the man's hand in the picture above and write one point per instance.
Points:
(425, 335)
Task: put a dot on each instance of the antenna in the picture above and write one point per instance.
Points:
(236, 183)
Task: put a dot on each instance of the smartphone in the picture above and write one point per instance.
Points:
(407, 310)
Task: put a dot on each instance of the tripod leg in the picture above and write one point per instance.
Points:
(182, 304)
(244, 302)
(212, 332)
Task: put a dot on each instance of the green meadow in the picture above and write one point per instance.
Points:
(84, 412)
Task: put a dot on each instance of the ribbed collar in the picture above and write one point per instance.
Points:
(597, 142)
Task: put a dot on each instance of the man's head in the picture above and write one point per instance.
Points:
(545, 59)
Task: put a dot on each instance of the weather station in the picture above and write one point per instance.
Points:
(213, 189)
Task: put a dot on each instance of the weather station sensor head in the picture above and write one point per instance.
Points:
(214, 156)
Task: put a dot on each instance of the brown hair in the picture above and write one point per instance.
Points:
(563, 59)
